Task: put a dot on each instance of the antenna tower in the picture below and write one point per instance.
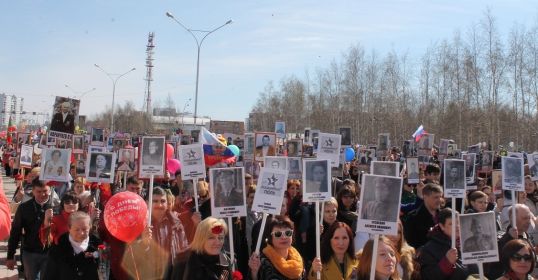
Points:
(149, 77)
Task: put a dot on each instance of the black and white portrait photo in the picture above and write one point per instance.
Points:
(533, 166)
(413, 173)
(307, 138)
(65, 115)
(470, 159)
(314, 136)
(55, 165)
(80, 166)
(474, 149)
(227, 192)
(248, 150)
(408, 148)
(99, 167)
(345, 133)
(78, 144)
(385, 168)
(280, 129)
(276, 163)
(454, 175)
(426, 142)
(366, 156)
(512, 173)
(126, 159)
(486, 162)
(381, 204)
(316, 178)
(152, 156)
(27, 152)
(478, 237)
(265, 145)
(443, 146)
(451, 149)
(294, 148)
(383, 142)
(98, 137)
(295, 168)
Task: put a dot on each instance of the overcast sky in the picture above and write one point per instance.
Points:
(47, 44)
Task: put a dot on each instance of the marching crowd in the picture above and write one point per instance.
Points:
(62, 235)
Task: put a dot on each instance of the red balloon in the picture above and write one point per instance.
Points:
(125, 216)
(169, 151)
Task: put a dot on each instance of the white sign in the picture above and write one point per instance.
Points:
(533, 166)
(270, 190)
(329, 148)
(55, 165)
(413, 174)
(512, 177)
(470, 159)
(478, 238)
(152, 156)
(192, 161)
(280, 163)
(454, 174)
(227, 192)
(385, 168)
(316, 180)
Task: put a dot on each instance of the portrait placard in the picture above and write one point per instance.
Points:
(408, 148)
(270, 190)
(413, 173)
(78, 144)
(316, 180)
(345, 134)
(533, 166)
(195, 135)
(470, 174)
(451, 149)
(27, 152)
(366, 156)
(55, 165)
(385, 168)
(512, 174)
(443, 146)
(192, 161)
(248, 150)
(64, 118)
(265, 145)
(96, 149)
(307, 137)
(474, 149)
(380, 207)
(100, 167)
(496, 181)
(126, 160)
(80, 165)
(119, 143)
(486, 162)
(98, 137)
(280, 129)
(426, 141)
(383, 142)
(454, 175)
(329, 148)
(516, 155)
(295, 168)
(22, 139)
(314, 137)
(280, 163)
(227, 192)
(252, 167)
(152, 156)
(478, 238)
(294, 148)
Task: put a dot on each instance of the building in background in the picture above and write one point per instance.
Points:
(10, 106)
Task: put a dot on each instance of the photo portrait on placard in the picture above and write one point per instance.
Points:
(227, 192)
(380, 207)
(27, 152)
(280, 129)
(454, 175)
(65, 115)
(78, 144)
(345, 133)
(408, 148)
(294, 148)
(100, 167)
(316, 180)
(80, 165)
(385, 168)
(443, 146)
(152, 156)
(413, 173)
(470, 173)
(192, 161)
(185, 140)
(486, 162)
(451, 149)
(295, 168)
(307, 139)
(366, 156)
(496, 181)
(265, 145)
(98, 137)
(119, 143)
(383, 142)
(55, 165)
(22, 139)
(515, 155)
(512, 174)
(195, 135)
(478, 237)
(270, 190)
(533, 166)
(426, 142)
(126, 160)
(252, 168)
(329, 148)
(474, 149)
(314, 134)
(276, 163)
(248, 150)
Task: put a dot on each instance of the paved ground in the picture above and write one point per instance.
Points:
(6, 274)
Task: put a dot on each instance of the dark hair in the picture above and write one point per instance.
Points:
(477, 195)
(431, 169)
(444, 214)
(277, 221)
(69, 196)
(133, 181)
(159, 191)
(36, 183)
(178, 172)
(512, 247)
(327, 250)
(431, 188)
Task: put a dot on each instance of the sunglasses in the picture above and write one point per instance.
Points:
(278, 234)
(518, 257)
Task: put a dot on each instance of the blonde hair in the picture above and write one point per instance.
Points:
(203, 186)
(203, 232)
(332, 201)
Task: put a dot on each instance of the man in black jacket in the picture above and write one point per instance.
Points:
(28, 219)
(419, 221)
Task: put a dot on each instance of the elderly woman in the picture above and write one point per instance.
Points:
(338, 259)
(387, 260)
(206, 260)
(279, 260)
(518, 260)
(74, 257)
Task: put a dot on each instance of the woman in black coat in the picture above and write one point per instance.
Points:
(74, 258)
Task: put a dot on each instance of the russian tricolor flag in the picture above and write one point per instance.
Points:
(418, 133)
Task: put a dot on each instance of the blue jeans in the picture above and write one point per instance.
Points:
(34, 265)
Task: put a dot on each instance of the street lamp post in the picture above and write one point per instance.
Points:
(82, 93)
(199, 42)
(114, 81)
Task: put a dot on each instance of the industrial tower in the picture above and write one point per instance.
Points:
(149, 77)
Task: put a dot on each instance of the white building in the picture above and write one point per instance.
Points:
(10, 106)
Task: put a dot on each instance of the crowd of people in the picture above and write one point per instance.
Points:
(61, 233)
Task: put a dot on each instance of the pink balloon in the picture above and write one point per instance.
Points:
(173, 165)
(169, 151)
(125, 216)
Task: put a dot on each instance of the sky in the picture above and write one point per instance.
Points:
(49, 44)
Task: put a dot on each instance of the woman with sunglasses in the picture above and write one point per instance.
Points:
(278, 260)
(518, 260)
(338, 259)
(55, 225)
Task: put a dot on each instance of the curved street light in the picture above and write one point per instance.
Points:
(114, 81)
(82, 93)
(199, 43)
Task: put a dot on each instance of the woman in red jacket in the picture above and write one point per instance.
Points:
(54, 226)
